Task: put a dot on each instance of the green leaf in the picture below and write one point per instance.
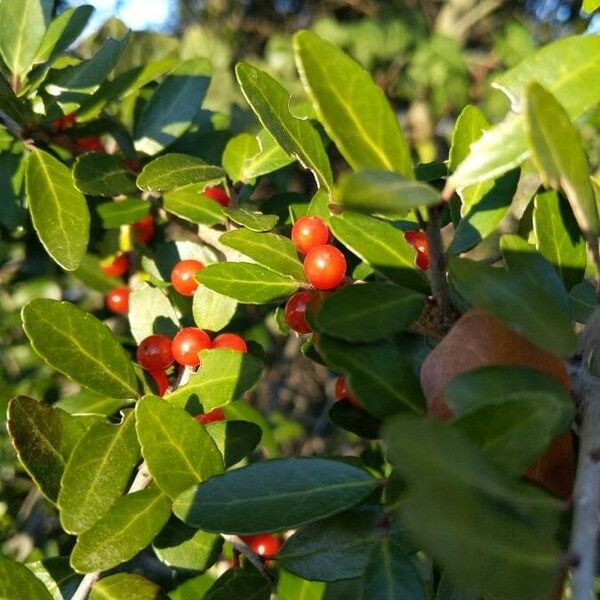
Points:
(168, 254)
(225, 376)
(484, 206)
(62, 32)
(292, 587)
(193, 588)
(176, 170)
(383, 192)
(113, 214)
(242, 410)
(212, 311)
(22, 28)
(102, 175)
(247, 282)
(589, 6)
(173, 106)
(521, 413)
(520, 303)
(582, 301)
(177, 449)
(89, 273)
(86, 402)
(125, 585)
(270, 101)
(350, 418)
(367, 312)
(234, 439)
(574, 85)
(150, 311)
(300, 490)
(58, 209)
(380, 245)
(379, 374)
(558, 238)
(80, 346)
(240, 583)
(468, 128)
(270, 157)
(58, 577)
(239, 148)
(188, 203)
(44, 438)
(270, 250)
(389, 575)
(17, 581)
(182, 547)
(489, 532)
(353, 109)
(97, 473)
(557, 152)
(12, 211)
(252, 220)
(131, 524)
(335, 548)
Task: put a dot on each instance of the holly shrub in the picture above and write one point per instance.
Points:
(443, 300)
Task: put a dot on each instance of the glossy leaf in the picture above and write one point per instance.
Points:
(58, 209)
(240, 583)
(193, 588)
(380, 245)
(80, 346)
(254, 221)
(178, 451)
(183, 547)
(22, 28)
(521, 304)
(176, 170)
(211, 310)
(17, 581)
(379, 374)
(172, 107)
(97, 473)
(102, 175)
(150, 311)
(270, 250)
(44, 438)
(270, 101)
(238, 150)
(86, 402)
(57, 575)
(457, 503)
(367, 312)
(270, 157)
(239, 502)
(131, 524)
(557, 152)
(353, 109)
(124, 212)
(558, 238)
(468, 128)
(484, 206)
(389, 575)
(225, 376)
(126, 585)
(292, 587)
(247, 282)
(234, 439)
(503, 147)
(335, 548)
(348, 417)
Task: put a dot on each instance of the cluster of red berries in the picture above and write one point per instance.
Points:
(117, 299)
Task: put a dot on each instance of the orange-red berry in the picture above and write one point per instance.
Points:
(143, 230)
(115, 266)
(325, 267)
(418, 240)
(188, 343)
(154, 353)
(264, 544)
(213, 416)
(183, 276)
(295, 311)
(117, 300)
(343, 392)
(309, 232)
(161, 380)
(217, 193)
(231, 341)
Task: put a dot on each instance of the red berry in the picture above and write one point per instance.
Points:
(231, 341)
(309, 232)
(418, 240)
(117, 300)
(188, 343)
(132, 165)
(161, 380)
(154, 353)
(295, 311)
(325, 267)
(213, 416)
(115, 266)
(182, 276)
(217, 193)
(90, 144)
(143, 230)
(263, 544)
(343, 392)
(64, 122)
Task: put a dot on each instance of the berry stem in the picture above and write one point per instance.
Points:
(437, 260)
(238, 545)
